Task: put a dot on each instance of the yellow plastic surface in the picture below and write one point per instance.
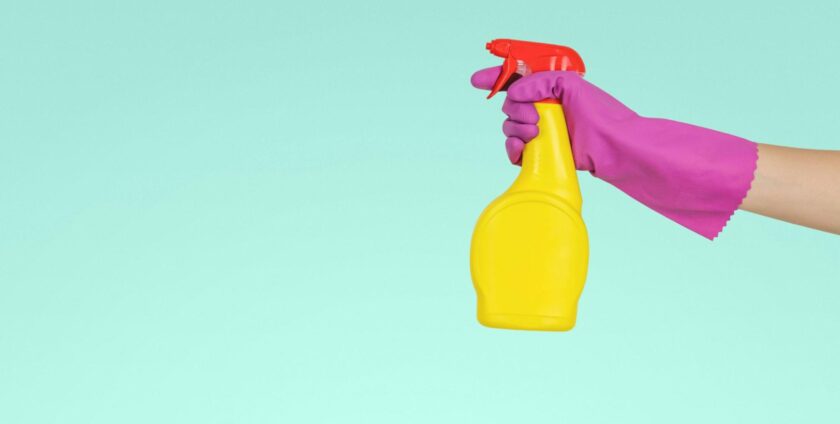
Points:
(530, 250)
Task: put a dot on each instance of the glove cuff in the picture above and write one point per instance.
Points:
(694, 176)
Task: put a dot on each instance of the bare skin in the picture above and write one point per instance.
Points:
(800, 186)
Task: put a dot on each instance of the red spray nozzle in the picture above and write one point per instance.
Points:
(526, 57)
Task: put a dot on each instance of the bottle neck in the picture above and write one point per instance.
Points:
(547, 162)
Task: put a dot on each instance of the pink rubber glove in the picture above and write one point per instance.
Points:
(694, 176)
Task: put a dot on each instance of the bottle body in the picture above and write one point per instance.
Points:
(530, 250)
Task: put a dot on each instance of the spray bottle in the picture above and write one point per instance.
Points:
(530, 249)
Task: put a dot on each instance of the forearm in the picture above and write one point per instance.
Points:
(797, 185)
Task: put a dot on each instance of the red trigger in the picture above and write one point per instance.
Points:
(508, 68)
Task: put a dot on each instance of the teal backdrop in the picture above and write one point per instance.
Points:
(260, 212)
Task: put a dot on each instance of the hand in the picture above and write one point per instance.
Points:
(592, 115)
(695, 176)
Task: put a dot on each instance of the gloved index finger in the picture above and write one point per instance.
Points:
(485, 78)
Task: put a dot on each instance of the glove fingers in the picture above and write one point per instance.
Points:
(525, 132)
(485, 78)
(514, 147)
(525, 113)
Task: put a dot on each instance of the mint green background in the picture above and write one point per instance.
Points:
(252, 212)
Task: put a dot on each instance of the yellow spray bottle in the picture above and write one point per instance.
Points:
(530, 250)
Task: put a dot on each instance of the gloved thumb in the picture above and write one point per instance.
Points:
(542, 85)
